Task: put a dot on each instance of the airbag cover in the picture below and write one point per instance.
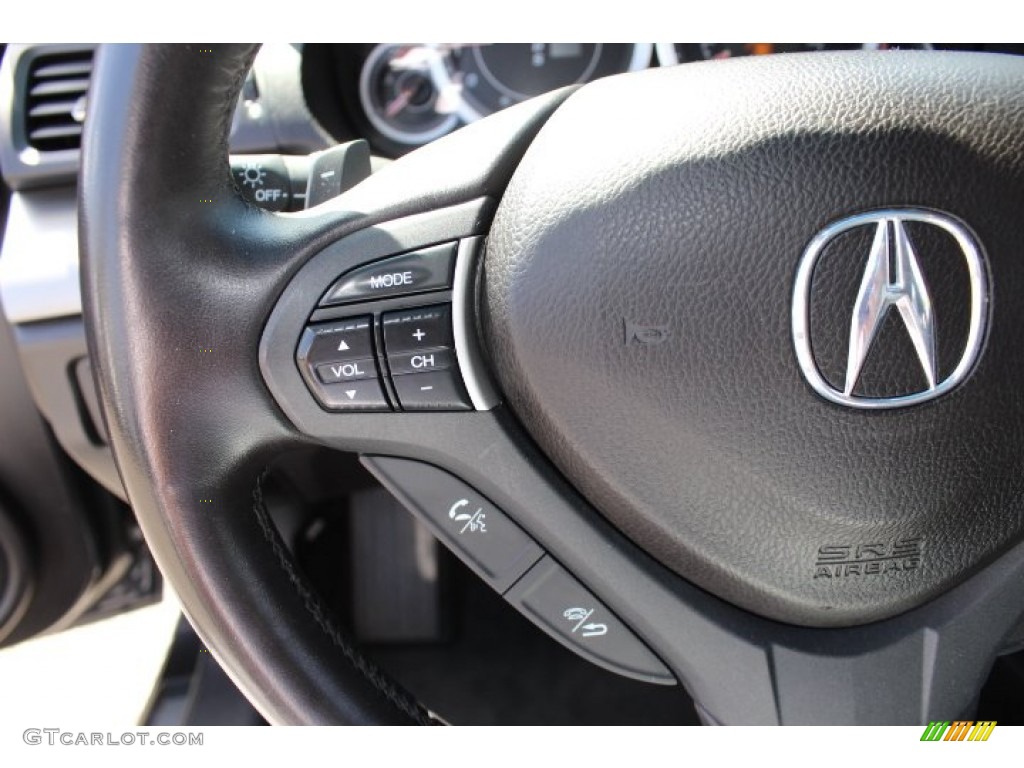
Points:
(638, 292)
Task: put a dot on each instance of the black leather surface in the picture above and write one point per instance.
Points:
(178, 278)
(684, 198)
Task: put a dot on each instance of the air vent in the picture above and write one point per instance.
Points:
(55, 100)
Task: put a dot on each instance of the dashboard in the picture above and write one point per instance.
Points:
(400, 96)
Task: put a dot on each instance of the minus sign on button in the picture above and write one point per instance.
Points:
(425, 389)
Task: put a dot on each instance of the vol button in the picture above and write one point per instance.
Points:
(349, 339)
(361, 395)
(332, 373)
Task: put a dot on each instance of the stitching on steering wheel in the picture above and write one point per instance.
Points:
(402, 700)
(227, 113)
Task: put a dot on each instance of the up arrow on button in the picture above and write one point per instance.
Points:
(343, 346)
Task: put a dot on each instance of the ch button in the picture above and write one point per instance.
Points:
(416, 330)
(422, 359)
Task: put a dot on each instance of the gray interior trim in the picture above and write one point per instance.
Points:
(39, 260)
(49, 354)
(24, 166)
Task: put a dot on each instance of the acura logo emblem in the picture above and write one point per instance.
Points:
(892, 281)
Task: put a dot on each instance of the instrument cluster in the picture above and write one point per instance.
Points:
(405, 95)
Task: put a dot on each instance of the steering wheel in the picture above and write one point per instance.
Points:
(732, 366)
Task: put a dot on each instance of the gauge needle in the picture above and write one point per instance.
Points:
(400, 102)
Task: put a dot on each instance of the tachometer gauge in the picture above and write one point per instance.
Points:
(398, 94)
(476, 80)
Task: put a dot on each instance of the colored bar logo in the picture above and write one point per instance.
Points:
(958, 730)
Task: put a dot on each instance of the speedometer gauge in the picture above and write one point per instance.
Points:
(476, 80)
(398, 94)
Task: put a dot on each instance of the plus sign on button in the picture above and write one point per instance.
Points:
(411, 330)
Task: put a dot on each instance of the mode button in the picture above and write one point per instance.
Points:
(428, 269)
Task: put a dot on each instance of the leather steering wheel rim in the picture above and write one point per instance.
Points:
(293, 661)
(175, 263)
